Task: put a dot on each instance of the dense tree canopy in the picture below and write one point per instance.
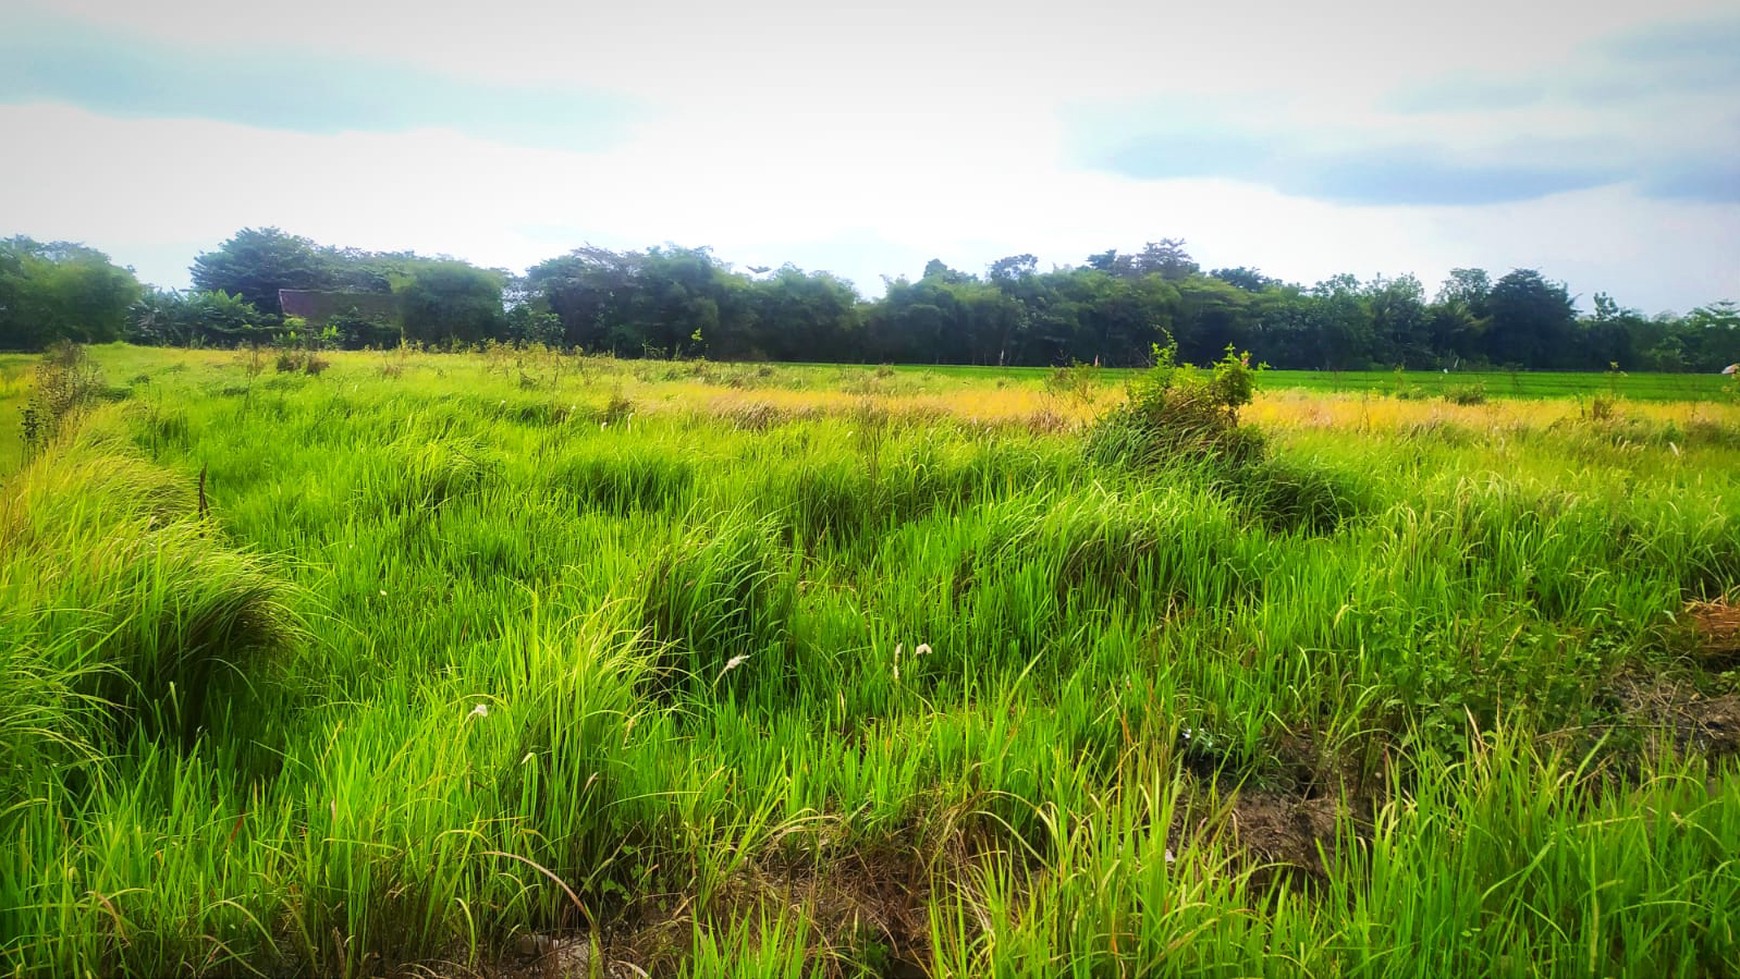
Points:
(255, 264)
(680, 302)
(447, 301)
(61, 291)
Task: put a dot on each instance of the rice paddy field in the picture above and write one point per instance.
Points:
(516, 664)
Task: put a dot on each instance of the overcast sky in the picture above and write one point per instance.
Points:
(1596, 141)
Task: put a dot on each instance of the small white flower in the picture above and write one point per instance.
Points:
(481, 710)
(383, 593)
(923, 648)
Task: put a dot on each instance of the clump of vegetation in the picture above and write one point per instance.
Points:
(121, 594)
(1075, 385)
(68, 381)
(1180, 414)
(420, 475)
(717, 599)
(1466, 394)
(626, 482)
(618, 408)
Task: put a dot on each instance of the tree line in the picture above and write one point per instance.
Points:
(684, 302)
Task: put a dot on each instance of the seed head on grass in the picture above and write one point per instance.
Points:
(731, 664)
(922, 649)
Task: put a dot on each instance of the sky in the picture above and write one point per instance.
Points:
(1596, 141)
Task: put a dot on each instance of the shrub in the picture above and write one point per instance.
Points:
(294, 361)
(1467, 394)
(1180, 414)
(67, 382)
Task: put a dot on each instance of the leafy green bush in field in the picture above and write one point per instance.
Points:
(1181, 414)
(1467, 394)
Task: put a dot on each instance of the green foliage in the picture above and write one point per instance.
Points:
(68, 382)
(1180, 415)
(1466, 394)
(717, 602)
(120, 594)
(200, 319)
(60, 292)
(254, 264)
(1533, 322)
(677, 303)
(452, 303)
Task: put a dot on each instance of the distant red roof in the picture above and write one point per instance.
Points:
(319, 307)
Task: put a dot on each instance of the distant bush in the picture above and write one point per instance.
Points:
(301, 362)
(1180, 414)
(1467, 394)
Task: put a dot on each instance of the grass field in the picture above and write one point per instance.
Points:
(523, 665)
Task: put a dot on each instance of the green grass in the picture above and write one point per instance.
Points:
(1512, 384)
(1637, 386)
(475, 648)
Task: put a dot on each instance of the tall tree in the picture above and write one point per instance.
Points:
(453, 301)
(1248, 279)
(61, 291)
(1533, 322)
(1167, 259)
(256, 263)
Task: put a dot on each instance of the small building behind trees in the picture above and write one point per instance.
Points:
(362, 319)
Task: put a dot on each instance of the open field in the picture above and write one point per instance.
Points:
(522, 665)
(1638, 386)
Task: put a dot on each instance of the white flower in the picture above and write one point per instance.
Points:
(923, 648)
(481, 710)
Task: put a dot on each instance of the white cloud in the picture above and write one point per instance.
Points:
(814, 195)
(989, 48)
(861, 140)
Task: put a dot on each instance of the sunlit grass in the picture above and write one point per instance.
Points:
(479, 653)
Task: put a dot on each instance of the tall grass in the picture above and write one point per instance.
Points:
(455, 666)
